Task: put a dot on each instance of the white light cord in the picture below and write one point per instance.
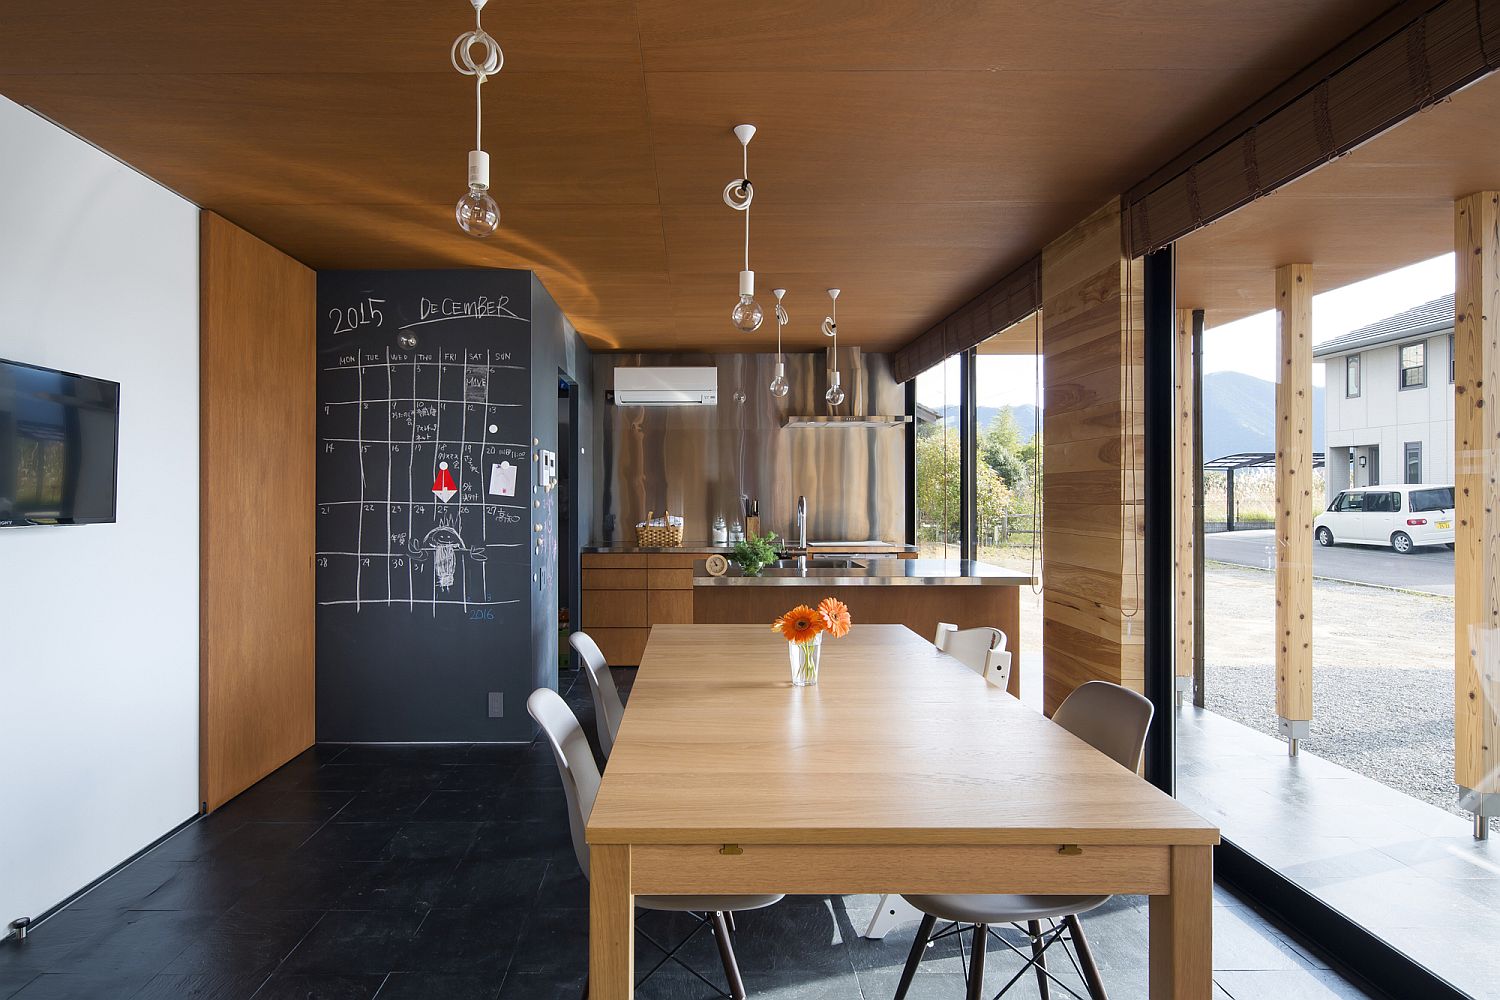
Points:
(739, 193)
(462, 57)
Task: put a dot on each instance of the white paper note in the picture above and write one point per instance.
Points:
(503, 480)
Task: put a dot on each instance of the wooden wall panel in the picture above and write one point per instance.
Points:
(1093, 454)
(257, 365)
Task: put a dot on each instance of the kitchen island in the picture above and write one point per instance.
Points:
(917, 593)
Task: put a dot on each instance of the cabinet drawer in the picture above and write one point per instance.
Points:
(612, 560)
(685, 560)
(614, 579)
(622, 647)
(669, 579)
(614, 608)
(671, 607)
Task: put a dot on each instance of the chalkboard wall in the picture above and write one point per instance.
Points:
(435, 579)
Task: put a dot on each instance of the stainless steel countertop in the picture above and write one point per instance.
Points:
(879, 573)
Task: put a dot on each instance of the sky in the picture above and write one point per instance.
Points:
(1246, 345)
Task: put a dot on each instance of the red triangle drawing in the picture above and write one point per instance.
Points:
(443, 486)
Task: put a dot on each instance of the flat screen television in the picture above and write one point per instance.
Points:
(59, 435)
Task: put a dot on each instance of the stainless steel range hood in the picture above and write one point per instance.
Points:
(854, 412)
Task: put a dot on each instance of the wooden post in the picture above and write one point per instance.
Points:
(1184, 530)
(1294, 502)
(1476, 564)
(611, 923)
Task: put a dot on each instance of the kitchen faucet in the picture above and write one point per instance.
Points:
(802, 523)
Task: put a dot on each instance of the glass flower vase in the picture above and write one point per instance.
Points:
(804, 657)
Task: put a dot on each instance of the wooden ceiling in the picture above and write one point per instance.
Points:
(1384, 206)
(909, 150)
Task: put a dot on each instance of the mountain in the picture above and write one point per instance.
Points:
(1238, 415)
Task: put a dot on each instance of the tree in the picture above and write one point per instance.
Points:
(939, 494)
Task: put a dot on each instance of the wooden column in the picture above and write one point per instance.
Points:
(1294, 502)
(1092, 476)
(1184, 531)
(1476, 439)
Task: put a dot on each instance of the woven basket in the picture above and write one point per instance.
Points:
(658, 536)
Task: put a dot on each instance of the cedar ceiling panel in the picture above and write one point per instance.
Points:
(916, 137)
(890, 260)
(298, 36)
(390, 139)
(1384, 206)
(837, 35)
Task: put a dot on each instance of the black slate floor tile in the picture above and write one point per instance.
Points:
(350, 841)
(355, 942)
(83, 986)
(495, 885)
(543, 986)
(439, 986)
(413, 884)
(203, 986)
(383, 805)
(432, 839)
(141, 941)
(245, 944)
(523, 839)
(299, 986)
(464, 941)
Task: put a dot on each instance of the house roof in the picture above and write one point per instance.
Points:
(1429, 317)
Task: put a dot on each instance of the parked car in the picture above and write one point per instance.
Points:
(1402, 517)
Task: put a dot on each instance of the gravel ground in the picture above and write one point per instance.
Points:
(1382, 695)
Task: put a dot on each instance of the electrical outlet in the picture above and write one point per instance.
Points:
(497, 704)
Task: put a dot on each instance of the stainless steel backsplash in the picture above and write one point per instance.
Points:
(698, 460)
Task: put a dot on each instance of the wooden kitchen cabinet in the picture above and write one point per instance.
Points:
(625, 593)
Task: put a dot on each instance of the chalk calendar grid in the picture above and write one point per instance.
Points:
(389, 420)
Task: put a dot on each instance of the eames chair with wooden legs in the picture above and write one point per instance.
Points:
(983, 651)
(1113, 720)
(580, 781)
(608, 709)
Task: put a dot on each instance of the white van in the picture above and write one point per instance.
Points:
(1402, 517)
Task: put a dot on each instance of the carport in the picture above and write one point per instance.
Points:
(1230, 464)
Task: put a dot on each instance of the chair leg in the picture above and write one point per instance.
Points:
(918, 946)
(976, 963)
(733, 927)
(1086, 962)
(726, 955)
(1039, 955)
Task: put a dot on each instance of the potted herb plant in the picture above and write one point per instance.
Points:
(754, 553)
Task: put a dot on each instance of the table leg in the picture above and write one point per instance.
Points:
(611, 923)
(1182, 929)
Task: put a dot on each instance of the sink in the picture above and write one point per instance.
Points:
(816, 563)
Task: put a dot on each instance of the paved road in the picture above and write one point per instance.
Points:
(1428, 569)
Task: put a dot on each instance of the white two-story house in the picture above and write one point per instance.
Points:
(1389, 400)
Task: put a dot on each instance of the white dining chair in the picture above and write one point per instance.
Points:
(983, 651)
(580, 780)
(608, 709)
(1113, 720)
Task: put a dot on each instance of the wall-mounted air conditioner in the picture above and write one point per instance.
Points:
(666, 386)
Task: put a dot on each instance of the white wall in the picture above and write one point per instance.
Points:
(1386, 416)
(99, 623)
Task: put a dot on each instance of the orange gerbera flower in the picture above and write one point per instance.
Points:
(801, 624)
(835, 614)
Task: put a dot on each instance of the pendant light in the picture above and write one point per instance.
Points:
(779, 385)
(738, 194)
(835, 393)
(476, 211)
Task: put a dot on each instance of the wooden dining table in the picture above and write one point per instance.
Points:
(900, 771)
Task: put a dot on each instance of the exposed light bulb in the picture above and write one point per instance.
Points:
(747, 314)
(779, 385)
(834, 395)
(406, 339)
(476, 211)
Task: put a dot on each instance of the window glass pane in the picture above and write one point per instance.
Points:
(938, 487)
(1413, 365)
(1007, 472)
(1413, 462)
(1351, 372)
(1432, 499)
